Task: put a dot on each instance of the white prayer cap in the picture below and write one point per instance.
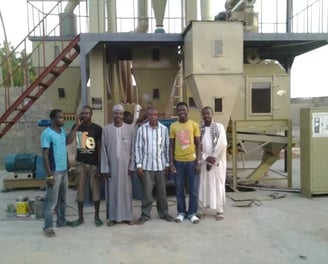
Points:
(118, 108)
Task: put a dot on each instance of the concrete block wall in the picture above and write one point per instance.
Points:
(24, 136)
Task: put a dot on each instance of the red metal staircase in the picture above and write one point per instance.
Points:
(17, 109)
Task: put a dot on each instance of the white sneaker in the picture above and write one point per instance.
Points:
(179, 218)
(194, 219)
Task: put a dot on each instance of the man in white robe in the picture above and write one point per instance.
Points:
(117, 165)
(213, 168)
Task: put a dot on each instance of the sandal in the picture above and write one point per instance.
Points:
(129, 222)
(75, 223)
(219, 216)
(98, 222)
(201, 216)
(111, 223)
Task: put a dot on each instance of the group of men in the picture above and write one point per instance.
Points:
(196, 156)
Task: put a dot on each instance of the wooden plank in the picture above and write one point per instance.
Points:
(9, 183)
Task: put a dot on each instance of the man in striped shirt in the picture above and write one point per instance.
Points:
(152, 159)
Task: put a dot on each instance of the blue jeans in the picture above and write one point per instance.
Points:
(56, 198)
(186, 171)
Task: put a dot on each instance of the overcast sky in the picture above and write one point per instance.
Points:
(309, 76)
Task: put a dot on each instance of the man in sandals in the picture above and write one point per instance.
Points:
(213, 165)
(117, 165)
(184, 158)
(88, 142)
(54, 154)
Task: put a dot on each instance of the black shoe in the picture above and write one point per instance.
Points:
(168, 218)
(142, 220)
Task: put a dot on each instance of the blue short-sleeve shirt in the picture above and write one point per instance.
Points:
(56, 143)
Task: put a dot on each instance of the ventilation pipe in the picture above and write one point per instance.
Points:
(68, 19)
(159, 11)
(69, 8)
(142, 26)
(205, 8)
(190, 11)
(289, 15)
(111, 20)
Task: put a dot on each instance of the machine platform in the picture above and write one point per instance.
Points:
(15, 181)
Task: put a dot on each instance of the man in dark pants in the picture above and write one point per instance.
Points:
(152, 159)
(88, 140)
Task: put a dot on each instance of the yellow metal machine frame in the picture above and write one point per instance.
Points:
(272, 136)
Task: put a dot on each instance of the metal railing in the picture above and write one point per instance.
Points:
(308, 16)
(311, 19)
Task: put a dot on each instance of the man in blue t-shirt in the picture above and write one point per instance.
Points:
(54, 153)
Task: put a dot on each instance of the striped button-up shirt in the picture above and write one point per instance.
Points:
(152, 147)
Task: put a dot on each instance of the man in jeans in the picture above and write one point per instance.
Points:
(54, 153)
(152, 159)
(185, 157)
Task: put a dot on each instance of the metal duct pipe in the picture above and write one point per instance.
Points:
(238, 5)
(111, 16)
(159, 11)
(190, 10)
(67, 19)
(205, 8)
(142, 26)
(289, 15)
(69, 8)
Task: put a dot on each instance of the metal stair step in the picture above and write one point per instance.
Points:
(66, 60)
(32, 97)
(45, 85)
(55, 72)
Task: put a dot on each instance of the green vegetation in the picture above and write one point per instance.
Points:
(15, 67)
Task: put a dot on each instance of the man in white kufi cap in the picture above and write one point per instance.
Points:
(117, 164)
(118, 108)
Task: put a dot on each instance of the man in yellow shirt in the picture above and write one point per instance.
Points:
(184, 162)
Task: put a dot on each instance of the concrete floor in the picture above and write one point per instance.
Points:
(289, 230)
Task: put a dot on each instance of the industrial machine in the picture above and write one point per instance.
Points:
(314, 145)
(230, 63)
(27, 171)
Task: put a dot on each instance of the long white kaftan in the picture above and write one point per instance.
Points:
(116, 159)
(212, 182)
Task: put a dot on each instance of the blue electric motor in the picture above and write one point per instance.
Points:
(25, 163)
